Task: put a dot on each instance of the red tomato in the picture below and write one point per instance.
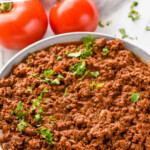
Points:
(25, 23)
(74, 15)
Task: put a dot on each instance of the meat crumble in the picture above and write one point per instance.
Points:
(90, 95)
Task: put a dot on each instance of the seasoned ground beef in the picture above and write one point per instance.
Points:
(77, 96)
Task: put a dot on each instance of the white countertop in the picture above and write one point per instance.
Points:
(117, 11)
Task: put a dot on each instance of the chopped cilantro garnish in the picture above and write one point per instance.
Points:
(106, 51)
(60, 76)
(87, 41)
(12, 112)
(85, 73)
(79, 68)
(77, 54)
(47, 135)
(30, 89)
(45, 90)
(55, 81)
(28, 61)
(95, 74)
(21, 125)
(20, 115)
(38, 117)
(66, 91)
(36, 103)
(58, 58)
(51, 121)
(133, 14)
(135, 97)
(40, 96)
(124, 34)
(100, 24)
(48, 72)
(108, 22)
(19, 107)
(147, 28)
(96, 85)
(40, 110)
(38, 125)
(35, 75)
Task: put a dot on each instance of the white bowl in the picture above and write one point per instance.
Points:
(60, 39)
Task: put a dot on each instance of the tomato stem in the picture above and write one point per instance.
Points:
(5, 7)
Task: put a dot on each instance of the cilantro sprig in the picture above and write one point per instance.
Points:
(21, 125)
(106, 51)
(66, 91)
(133, 14)
(95, 74)
(96, 85)
(124, 34)
(47, 135)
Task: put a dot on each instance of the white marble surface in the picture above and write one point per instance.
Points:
(117, 11)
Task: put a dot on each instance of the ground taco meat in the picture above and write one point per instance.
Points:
(93, 95)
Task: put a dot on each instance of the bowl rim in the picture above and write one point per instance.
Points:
(26, 51)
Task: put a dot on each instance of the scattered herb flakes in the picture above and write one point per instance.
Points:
(55, 81)
(36, 103)
(87, 41)
(95, 74)
(96, 85)
(51, 120)
(38, 117)
(19, 107)
(48, 72)
(28, 62)
(58, 58)
(20, 115)
(147, 28)
(40, 110)
(40, 96)
(30, 89)
(106, 51)
(21, 125)
(51, 117)
(45, 90)
(100, 24)
(79, 68)
(47, 135)
(60, 76)
(133, 14)
(86, 72)
(66, 91)
(77, 54)
(108, 22)
(39, 125)
(124, 34)
(135, 97)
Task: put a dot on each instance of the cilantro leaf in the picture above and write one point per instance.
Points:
(108, 22)
(87, 41)
(21, 125)
(100, 24)
(85, 73)
(106, 51)
(66, 91)
(58, 58)
(96, 85)
(133, 14)
(20, 115)
(38, 117)
(35, 103)
(30, 89)
(147, 28)
(95, 74)
(51, 117)
(55, 81)
(40, 96)
(40, 110)
(124, 34)
(77, 54)
(28, 62)
(78, 68)
(47, 135)
(135, 97)
(45, 90)
(48, 72)
(19, 107)
(60, 76)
